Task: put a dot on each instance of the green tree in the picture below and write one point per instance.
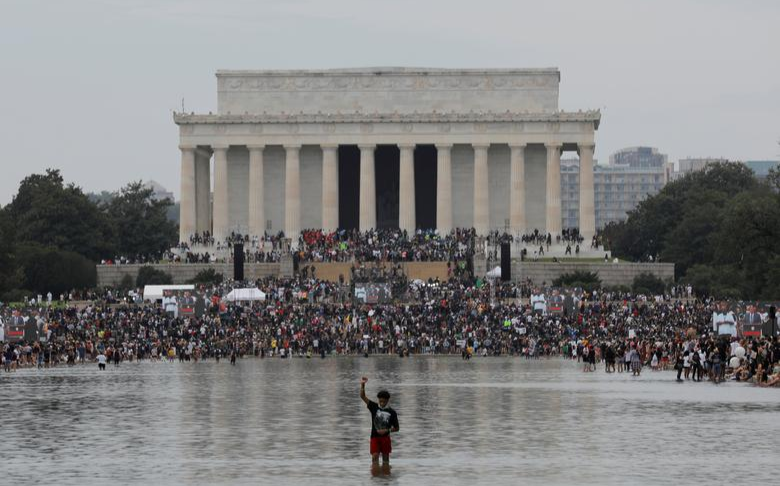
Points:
(773, 178)
(56, 271)
(691, 240)
(771, 290)
(659, 222)
(9, 272)
(48, 212)
(720, 226)
(724, 282)
(140, 221)
(749, 238)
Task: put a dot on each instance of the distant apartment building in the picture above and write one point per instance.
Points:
(685, 166)
(638, 158)
(693, 164)
(762, 167)
(631, 175)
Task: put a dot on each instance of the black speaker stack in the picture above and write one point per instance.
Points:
(506, 263)
(238, 261)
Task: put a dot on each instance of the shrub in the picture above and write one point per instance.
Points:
(618, 288)
(588, 281)
(648, 284)
(208, 276)
(15, 295)
(151, 276)
(127, 282)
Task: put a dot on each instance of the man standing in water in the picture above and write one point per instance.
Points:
(384, 420)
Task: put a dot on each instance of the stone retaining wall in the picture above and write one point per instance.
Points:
(111, 275)
(610, 273)
(538, 272)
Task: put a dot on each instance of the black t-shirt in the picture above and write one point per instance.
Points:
(381, 418)
(715, 357)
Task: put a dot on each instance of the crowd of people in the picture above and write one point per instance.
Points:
(309, 317)
(167, 256)
(386, 245)
(391, 245)
(540, 238)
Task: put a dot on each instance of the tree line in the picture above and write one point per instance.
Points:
(52, 234)
(720, 226)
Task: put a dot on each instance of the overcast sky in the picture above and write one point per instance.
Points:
(88, 86)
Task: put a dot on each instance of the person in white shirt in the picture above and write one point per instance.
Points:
(169, 304)
(723, 320)
(538, 302)
(101, 359)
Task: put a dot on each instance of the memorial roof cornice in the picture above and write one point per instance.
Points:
(386, 70)
(475, 117)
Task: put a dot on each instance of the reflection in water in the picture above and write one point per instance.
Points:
(380, 469)
(499, 420)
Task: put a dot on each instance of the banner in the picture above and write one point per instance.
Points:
(752, 322)
(555, 304)
(185, 303)
(14, 329)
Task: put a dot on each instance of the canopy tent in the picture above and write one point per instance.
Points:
(495, 273)
(242, 295)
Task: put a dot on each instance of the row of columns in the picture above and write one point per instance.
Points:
(195, 187)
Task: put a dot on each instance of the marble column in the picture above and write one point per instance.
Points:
(406, 203)
(292, 192)
(367, 188)
(203, 190)
(256, 184)
(587, 204)
(221, 214)
(553, 214)
(444, 188)
(481, 198)
(187, 208)
(517, 220)
(330, 187)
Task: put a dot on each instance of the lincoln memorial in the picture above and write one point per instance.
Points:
(383, 147)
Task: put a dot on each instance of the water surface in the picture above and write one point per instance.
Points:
(488, 420)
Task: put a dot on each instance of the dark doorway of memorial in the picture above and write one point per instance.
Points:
(425, 186)
(349, 186)
(387, 170)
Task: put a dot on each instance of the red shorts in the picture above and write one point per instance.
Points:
(381, 445)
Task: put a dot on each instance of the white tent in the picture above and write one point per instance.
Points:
(495, 273)
(241, 295)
